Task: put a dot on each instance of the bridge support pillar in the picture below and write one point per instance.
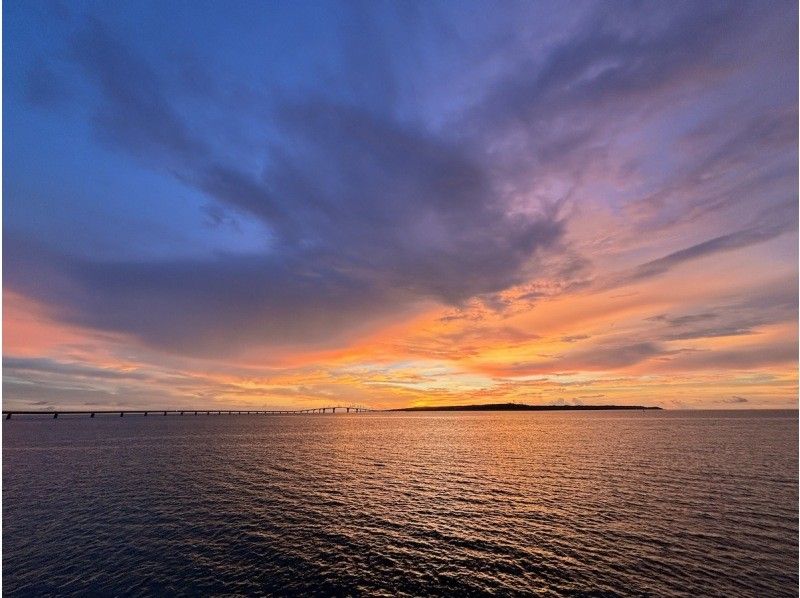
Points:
(145, 413)
(122, 414)
(55, 416)
(8, 416)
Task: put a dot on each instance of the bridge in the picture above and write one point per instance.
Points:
(164, 412)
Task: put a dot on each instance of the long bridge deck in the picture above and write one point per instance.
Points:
(163, 412)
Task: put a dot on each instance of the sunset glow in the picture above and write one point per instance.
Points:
(393, 209)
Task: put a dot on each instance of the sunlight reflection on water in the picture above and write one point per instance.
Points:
(628, 503)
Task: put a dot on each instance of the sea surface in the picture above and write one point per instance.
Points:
(671, 503)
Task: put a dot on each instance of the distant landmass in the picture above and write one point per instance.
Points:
(523, 407)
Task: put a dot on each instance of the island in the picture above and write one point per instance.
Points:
(523, 407)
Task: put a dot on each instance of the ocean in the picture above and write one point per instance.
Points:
(666, 503)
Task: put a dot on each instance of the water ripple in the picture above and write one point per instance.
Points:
(575, 504)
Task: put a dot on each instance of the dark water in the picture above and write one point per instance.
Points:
(552, 504)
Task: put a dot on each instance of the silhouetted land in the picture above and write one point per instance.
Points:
(522, 407)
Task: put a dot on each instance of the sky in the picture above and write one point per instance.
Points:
(299, 204)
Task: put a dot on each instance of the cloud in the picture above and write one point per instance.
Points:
(371, 208)
(26, 395)
(739, 316)
(570, 114)
(367, 215)
(713, 332)
(136, 115)
(752, 357)
(768, 225)
(605, 357)
(734, 400)
(682, 320)
(614, 66)
(731, 159)
(758, 233)
(14, 365)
